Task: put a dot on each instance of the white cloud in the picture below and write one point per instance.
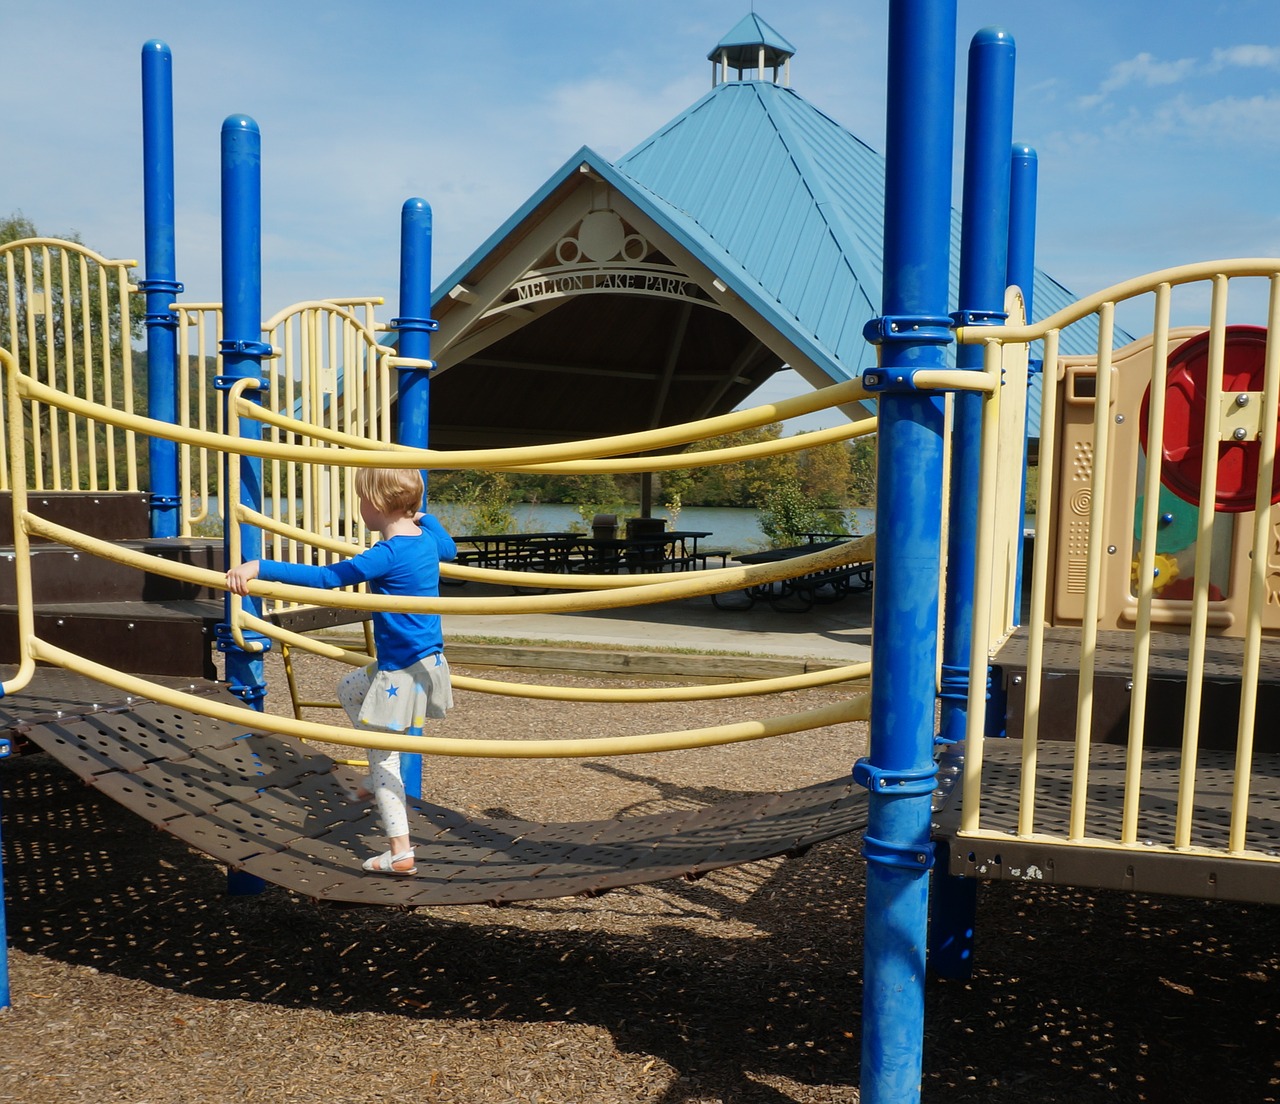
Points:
(1247, 57)
(1227, 121)
(1148, 70)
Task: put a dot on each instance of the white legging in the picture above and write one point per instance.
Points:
(385, 782)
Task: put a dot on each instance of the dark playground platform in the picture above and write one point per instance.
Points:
(272, 808)
(1052, 852)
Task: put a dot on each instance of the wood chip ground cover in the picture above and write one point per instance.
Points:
(136, 979)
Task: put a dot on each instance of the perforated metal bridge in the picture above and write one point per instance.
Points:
(271, 808)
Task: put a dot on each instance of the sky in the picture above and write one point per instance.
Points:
(1156, 125)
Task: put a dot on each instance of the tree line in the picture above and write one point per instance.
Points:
(796, 492)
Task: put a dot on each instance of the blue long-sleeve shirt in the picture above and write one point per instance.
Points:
(406, 565)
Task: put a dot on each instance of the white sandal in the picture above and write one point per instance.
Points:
(386, 863)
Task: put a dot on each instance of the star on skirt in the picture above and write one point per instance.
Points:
(400, 701)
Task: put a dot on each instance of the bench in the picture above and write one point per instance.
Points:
(802, 593)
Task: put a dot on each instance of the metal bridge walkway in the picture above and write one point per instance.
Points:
(273, 808)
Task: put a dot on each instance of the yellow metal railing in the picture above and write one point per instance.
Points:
(200, 476)
(1111, 492)
(590, 592)
(65, 319)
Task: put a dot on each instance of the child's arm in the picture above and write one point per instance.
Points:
(239, 578)
(445, 546)
(372, 563)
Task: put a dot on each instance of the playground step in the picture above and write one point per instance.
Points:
(116, 515)
(154, 638)
(62, 574)
(1219, 692)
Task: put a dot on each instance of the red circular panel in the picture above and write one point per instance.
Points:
(1242, 370)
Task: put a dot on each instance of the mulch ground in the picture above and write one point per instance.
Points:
(136, 979)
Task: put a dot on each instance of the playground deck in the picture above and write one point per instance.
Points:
(282, 812)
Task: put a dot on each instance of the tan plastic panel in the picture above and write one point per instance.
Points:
(1074, 489)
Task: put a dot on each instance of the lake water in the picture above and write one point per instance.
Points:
(731, 528)
(735, 529)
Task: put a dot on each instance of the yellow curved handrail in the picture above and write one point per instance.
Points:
(745, 688)
(69, 246)
(21, 541)
(543, 580)
(1127, 289)
(645, 593)
(404, 457)
(853, 709)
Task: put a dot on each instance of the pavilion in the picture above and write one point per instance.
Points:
(741, 238)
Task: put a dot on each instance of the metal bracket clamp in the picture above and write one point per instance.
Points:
(409, 324)
(225, 642)
(252, 694)
(903, 856)
(162, 318)
(257, 349)
(919, 329)
(894, 783)
(978, 318)
(226, 383)
(954, 682)
(174, 287)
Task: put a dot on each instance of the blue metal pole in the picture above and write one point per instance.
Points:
(242, 352)
(1023, 180)
(414, 327)
(983, 266)
(161, 283)
(5, 1000)
(1022, 273)
(913, 335)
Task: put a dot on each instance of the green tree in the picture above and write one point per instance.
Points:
(862, 466)
(474, 501)
(825, 474)
(789, 514)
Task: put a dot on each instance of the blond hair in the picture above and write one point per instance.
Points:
(391, 490)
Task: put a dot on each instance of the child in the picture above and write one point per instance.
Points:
(410, 680)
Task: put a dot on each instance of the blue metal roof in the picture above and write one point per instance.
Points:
(786, 207)
(751, 31)
(798, 200)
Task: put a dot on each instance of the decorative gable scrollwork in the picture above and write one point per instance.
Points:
(602, 254)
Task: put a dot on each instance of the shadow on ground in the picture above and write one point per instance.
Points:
(1078, 997)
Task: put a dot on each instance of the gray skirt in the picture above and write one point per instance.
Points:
(403, 700)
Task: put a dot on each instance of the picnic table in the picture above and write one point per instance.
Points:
(798, 595)
(669, 550)
(518, 551)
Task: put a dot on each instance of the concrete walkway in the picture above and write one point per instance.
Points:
(839, 632)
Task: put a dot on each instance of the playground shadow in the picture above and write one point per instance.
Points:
(1077, 997)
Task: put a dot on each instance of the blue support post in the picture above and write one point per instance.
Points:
(983, 266)
(5, 998)
(1023, 181)
(242, 352)
(414, 328)
(161, 283)
(913, 335)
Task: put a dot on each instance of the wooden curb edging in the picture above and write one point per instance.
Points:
(604, 661)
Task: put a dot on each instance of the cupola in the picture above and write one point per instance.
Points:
(751, 47)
